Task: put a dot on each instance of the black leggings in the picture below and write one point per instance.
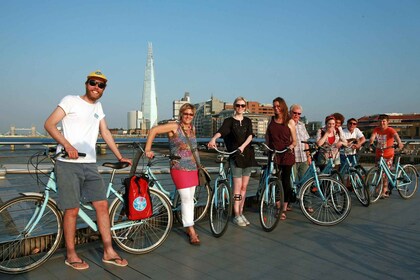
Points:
(285, 173)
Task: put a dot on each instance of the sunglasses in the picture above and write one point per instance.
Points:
(188, 114)
(100, 85)
(296, 113)
(353, 123)
(240, 105)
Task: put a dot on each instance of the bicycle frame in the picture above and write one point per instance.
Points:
(154, 183)
(52, 186)
(222, 177)
(392, 176)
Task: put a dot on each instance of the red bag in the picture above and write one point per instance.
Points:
(138, 204)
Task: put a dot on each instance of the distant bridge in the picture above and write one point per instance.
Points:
(14, 131)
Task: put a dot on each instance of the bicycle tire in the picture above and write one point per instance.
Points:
(21, 253)
(327, 211)
(220, 209)
(143, 236)
(337, 175)
(271, 203)
(361, 170)
(359, 187)
(407, 190)
(202, 198)
(374, 182)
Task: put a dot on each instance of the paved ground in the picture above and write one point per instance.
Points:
(378, 242)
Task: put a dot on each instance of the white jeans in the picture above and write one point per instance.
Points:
(187, 206)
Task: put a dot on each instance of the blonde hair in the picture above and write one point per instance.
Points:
(236, 101)
(185, 107)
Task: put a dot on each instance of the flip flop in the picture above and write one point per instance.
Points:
(74, 265)
(114, 262)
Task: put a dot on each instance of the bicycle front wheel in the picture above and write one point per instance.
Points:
(142, 236)
(408, 181)
(202, 197)
(325, 202)
(23, 249)
(359, 188)
(271, 203)
(374, 182)
(220, 209)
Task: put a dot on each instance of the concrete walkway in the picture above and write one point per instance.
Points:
(378, 242)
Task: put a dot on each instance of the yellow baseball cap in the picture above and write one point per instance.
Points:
(97, 74)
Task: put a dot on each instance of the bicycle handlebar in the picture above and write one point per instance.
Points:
(274, 150)
(227, 153)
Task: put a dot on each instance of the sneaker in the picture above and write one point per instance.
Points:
(237, 220)
(245, 220)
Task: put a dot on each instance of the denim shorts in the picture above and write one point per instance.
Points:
(78, 182)
(238, 172)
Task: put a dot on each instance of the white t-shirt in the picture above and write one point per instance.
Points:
(356, 134)
(81, 126)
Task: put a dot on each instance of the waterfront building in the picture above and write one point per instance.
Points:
(203, 120)
(407, 125)
(177, 104)
(149, 101)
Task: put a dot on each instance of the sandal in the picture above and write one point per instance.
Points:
(283, 216)
(310, 210)
(193, 239)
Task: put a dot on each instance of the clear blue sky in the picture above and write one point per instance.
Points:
(354, 57)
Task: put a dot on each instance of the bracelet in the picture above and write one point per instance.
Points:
(120, 158)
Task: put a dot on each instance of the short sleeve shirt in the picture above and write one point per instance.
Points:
(81, 126)
(385, 139)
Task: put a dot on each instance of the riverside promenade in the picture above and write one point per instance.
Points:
(378, 242)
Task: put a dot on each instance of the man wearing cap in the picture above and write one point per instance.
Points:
(78, 178)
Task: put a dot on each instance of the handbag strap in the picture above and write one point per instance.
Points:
(189, 144)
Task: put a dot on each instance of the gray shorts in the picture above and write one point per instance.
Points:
(78, 182)
(238, 172)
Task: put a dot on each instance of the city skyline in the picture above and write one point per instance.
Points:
(355, 57)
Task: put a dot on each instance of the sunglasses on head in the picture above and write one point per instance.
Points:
(297, 113)
(240, 105)
(100, 85)
(188, 114)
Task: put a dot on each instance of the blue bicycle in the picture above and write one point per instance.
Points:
(404, 177)
(323, 199)
(221, 203)
(271, 193)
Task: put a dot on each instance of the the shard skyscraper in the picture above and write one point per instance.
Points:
(149, 101)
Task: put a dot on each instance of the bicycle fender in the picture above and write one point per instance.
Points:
(38, 195)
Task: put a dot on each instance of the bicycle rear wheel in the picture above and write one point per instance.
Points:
(142, 236)
(271, 203)
(374, 182)
(21, 251)
(407, 181)
(220, 209)
(202, 197)
(330, 203)
(359, 187)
